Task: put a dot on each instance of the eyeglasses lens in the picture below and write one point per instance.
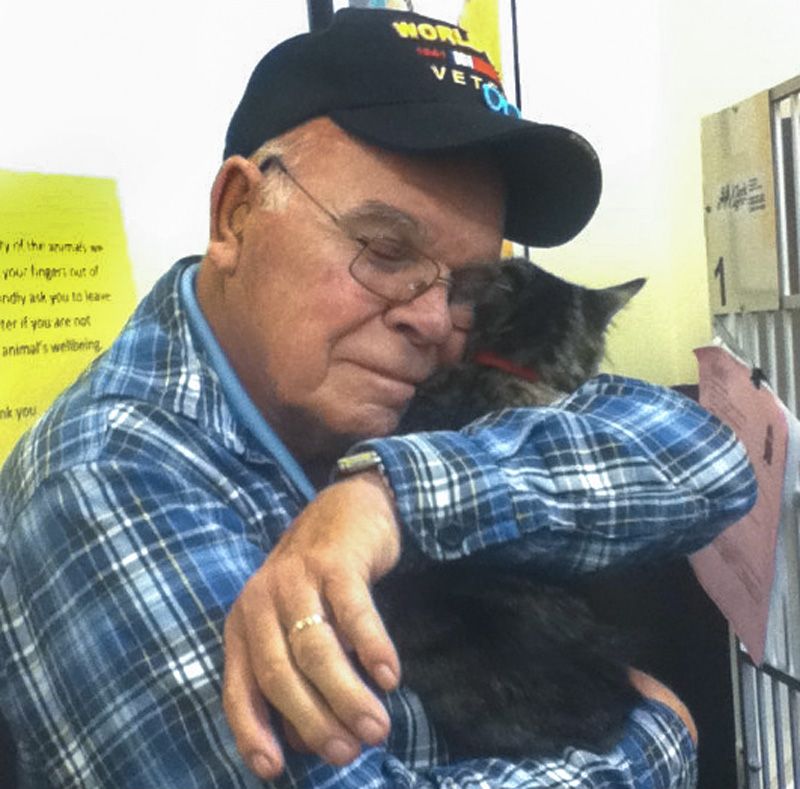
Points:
(402, 278)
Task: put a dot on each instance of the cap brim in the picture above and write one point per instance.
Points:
(552, 174)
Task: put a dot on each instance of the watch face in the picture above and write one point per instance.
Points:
(362, 461)
(365, 461)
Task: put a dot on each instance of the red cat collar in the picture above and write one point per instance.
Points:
(489, 359)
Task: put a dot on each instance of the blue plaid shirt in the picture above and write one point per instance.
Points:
(132, 514)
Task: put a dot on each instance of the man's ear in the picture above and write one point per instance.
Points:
(234, 189)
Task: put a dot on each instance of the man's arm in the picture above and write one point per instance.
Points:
(622, 471)
(115, 583)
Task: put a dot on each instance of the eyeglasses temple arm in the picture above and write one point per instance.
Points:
(278, 162)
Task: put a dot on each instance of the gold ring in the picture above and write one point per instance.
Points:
(307, 621)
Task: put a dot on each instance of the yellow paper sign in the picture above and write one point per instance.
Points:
(481, 19)
(65, 288)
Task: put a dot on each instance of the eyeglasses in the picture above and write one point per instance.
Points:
(389, 268)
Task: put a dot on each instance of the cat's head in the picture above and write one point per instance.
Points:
(539, 322)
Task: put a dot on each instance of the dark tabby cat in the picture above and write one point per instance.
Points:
(505, 665)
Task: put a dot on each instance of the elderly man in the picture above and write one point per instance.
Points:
(175, 484)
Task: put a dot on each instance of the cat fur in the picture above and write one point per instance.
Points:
(507, 665)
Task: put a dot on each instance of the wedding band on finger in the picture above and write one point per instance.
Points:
(306, 622)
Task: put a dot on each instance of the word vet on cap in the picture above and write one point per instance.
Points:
(453, 64)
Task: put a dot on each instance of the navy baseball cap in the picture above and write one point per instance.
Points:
(412, 84)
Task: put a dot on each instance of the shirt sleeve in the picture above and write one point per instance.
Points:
(656, 752)
(619, 471)
(115, 587)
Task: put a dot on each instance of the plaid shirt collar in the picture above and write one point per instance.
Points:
(169, 367)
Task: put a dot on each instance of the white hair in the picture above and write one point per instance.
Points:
(289, 147)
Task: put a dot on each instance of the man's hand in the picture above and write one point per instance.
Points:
(324, 565)
(651, 688)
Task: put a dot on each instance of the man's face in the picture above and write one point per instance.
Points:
(326, 361)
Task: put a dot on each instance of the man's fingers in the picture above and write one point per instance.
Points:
(303, 707)
(245, 708)
(293, 738)
(360, 624)
(319, 655)
(287, 678)
(317, 644)
(276, 677)
(650, 687)
(292, 624)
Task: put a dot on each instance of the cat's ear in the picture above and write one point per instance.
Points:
(607, 302)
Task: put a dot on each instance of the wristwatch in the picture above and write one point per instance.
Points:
(363, 461)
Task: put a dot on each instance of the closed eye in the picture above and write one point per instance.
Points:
(386, 253)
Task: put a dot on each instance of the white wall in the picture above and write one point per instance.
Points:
(142, 92)
(636, 76)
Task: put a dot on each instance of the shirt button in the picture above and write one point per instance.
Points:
(451, 537)
(193, 383)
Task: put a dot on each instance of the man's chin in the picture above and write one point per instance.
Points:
(377, 427)
(372, 422)
(334, 437)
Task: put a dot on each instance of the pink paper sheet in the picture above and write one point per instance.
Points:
(737, 569)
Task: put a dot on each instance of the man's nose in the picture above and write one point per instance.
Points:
(426, 319)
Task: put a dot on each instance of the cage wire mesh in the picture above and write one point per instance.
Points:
(767, 702)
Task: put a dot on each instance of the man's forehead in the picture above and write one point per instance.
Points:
(419, 196)
(322, 137)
